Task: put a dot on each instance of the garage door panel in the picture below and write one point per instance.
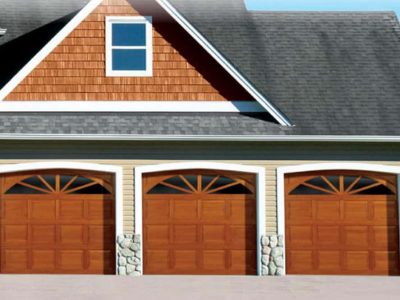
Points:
(185, 259)
(43, 234)
(14, 260)
(243, 261)
(72, 209)
(386, 262)
(43, 261)
(355, 211)
(156, 210)
(100, 235)
(213, 210)
(242, 237)
(185, 209)
(300, 261)
(243, 212)
(214, 234)
(327, 211)
(101, 261)
(15, 235)
(385, 212)
(157, 234)
(15, 209)
(299, 210)
(356, 237)
(155, 260)
(100, 210)
(385, 237)
(300, 236)
(184, 234)
(356, 261)
(328, 262)
(215, 260)
(72, 235)
(327, 237)
(71, 260)
(43, 210)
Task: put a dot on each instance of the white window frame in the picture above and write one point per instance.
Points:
(149, 46)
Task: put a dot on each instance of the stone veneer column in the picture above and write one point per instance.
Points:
(129, 255)
(272, 256)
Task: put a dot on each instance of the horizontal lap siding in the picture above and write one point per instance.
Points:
(75, 70)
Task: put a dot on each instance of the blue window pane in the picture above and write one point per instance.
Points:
(129, 34)
(129, 60)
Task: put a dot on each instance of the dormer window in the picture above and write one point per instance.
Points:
(129, 46)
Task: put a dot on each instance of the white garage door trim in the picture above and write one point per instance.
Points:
(282, 171)
(260, 180)
(117, 171)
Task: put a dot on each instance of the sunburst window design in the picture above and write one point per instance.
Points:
(209, 184)
(344, 184)
(68, 184)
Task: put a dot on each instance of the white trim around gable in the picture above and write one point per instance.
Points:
(282, 171)
(260, 179)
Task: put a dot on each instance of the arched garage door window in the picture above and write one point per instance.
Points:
(56, 183)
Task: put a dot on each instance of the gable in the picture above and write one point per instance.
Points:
(75, 69)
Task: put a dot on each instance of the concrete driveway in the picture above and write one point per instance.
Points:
(197, 287)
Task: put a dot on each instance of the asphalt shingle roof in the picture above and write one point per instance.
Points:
(225, 124)
(329, 73)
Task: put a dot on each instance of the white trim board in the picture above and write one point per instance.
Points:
(282, 171)
(117, 171)
(258, 171)
(197, 138)
(130, 106)
(58, 38)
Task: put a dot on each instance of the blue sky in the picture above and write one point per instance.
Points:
(336, 5)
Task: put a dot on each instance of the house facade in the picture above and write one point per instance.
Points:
(177, 137)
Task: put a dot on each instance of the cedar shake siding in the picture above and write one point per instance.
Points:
(182, 69)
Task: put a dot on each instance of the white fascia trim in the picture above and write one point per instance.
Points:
(282, 171)
(46, 50)
(282, 119)
(3, 31)
(194, 138)
(258, 171)
(48, 165)
(130, 106)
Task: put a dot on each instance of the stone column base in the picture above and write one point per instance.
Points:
(129, 255)
(272, 256)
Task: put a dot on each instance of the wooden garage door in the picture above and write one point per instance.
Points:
(199, 222)
(57, 222)
(341, 222)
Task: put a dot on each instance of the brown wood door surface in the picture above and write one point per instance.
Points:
(199, 222)
(57, 222)
(341, 222)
